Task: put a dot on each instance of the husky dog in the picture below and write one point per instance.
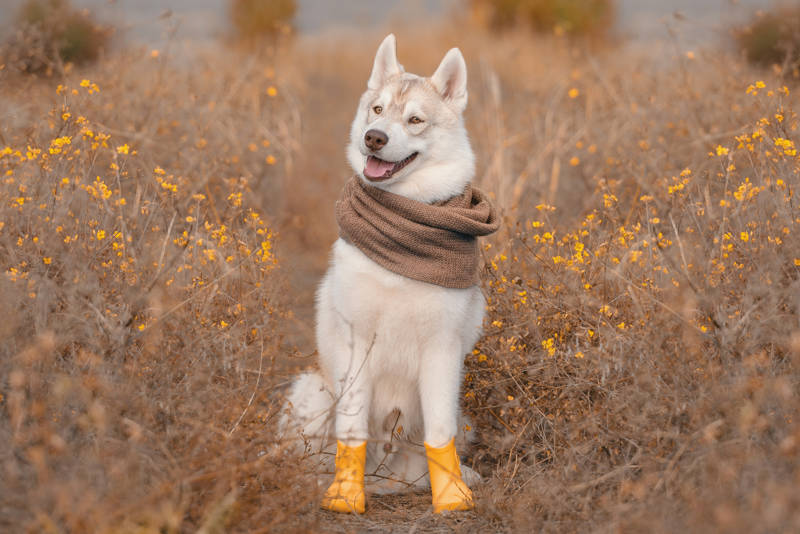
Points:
(391, 347)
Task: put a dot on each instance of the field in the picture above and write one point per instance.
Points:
(163, 224)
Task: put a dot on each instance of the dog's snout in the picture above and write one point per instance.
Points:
(375, 139)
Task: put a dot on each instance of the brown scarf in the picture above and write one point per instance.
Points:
(434, 243)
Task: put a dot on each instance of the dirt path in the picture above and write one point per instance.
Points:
(410, 513)
(307, 227)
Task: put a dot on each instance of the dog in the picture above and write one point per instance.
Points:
(391, 341)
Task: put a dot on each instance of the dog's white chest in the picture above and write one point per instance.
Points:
(399, 317)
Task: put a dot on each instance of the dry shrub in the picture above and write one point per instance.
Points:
(639, 369)
(578, 17)
(51, 33)
(253, 19)
(138, 361)
(772, 38)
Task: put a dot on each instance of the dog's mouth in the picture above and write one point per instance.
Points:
(378, 170)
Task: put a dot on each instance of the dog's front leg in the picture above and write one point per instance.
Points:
(346, 493)
(440, 379)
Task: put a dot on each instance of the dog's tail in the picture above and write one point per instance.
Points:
(306, 425)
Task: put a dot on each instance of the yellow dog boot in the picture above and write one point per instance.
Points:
(346, 493)
(448, 489)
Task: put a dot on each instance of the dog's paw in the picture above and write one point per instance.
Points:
(345, 496)
(470, 476)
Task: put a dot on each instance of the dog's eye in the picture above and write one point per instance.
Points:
(377, 110)
(415, 120)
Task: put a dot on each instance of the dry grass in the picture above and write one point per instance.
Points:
(640, 366)
(48, 34)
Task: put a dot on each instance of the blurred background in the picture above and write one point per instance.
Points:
(206, 19)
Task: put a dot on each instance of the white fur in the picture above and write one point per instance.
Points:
(391, 348)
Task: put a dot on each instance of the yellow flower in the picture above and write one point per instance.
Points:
(721, 150)
(270, 160)
(744, 236)
(124, 149)
(573, 93)
(101, 234)
(272, 91)
(574, 161)
(579, 355)
(787, 145)
(47, 261)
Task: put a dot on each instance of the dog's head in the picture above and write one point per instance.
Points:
(408, 136)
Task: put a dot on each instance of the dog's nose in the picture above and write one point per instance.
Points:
(375, 139)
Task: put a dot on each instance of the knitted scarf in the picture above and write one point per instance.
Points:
(434, 243)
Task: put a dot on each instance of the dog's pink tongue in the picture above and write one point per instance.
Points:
(377, 168)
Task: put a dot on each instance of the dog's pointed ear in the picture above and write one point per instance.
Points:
(450, 78)
(386, 64)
